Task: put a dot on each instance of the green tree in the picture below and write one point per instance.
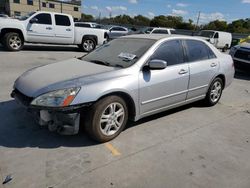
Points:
(141, 20)
(216, 25)
(87, 18)
(166, 21)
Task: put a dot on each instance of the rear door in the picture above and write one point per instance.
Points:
(160, 89)
(64, 29)
(42, 30)
(203, 66)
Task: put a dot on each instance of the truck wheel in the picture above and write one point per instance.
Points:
(225, 48)
(88, 45)
(107, 118)
(12, 41)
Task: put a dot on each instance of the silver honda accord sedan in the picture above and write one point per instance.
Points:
(129, 78)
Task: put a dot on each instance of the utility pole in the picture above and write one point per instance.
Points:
(39, 2)
(198, 19)
(100, 14)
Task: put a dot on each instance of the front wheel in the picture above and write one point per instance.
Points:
(88, 45)
(12, 41)
(107, 118)
(214, 92)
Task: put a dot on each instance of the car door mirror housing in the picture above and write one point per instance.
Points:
(33, 20)
(157, 64)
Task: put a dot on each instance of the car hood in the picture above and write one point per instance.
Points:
(55, 76)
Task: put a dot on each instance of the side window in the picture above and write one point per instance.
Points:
(216, 36)
(81, 25)
(196, 50)
(211, 54)
(43, 18)
(62, 20)
(171, 52)
(160, 31)
(118, 29)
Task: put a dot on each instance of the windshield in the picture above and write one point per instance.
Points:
(148, 30)
(122, 52)
(208, 34)
(26, 16)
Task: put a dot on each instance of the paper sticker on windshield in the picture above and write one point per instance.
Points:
(127, 56)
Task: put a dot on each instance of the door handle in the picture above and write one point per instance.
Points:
(183, 71)
(213, 64)
(49, 28)
(68, 29)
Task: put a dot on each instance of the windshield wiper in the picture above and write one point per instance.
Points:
(100, 62)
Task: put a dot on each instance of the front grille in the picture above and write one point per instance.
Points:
(25, 100)
(242, 54)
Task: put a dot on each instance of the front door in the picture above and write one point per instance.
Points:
(160, 89)
(42, 30)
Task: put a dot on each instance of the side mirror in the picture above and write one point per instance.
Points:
(216, 36)
(33, 20)
(157, 64)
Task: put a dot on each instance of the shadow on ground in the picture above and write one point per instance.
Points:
(242, 74)
(19, 130)
(34, 47)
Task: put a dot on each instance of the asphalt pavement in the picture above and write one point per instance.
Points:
(192, 146)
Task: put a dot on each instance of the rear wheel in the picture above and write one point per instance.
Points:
(107, 118)
(88, 45)
(214, 92)
(13, 41)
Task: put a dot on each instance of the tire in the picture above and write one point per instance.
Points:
(12, 41)
(225, 48)
(88, 45)
(113, 123)
(214, 92)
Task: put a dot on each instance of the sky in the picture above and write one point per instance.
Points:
(228, 10)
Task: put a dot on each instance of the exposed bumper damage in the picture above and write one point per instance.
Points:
(65, 121)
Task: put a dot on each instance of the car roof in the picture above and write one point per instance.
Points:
(156, 36)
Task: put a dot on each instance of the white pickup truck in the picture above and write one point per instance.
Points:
(48, 28)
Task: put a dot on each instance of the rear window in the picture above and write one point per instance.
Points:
(196, 50)
(82, 25)
(62, 20)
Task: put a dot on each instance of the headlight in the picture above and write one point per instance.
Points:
(59, 98)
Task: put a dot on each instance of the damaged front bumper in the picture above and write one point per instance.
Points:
(64, 120)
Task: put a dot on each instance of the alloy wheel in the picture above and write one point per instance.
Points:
(112, 119)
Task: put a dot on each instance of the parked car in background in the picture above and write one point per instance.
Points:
(116, 31)
(157, 30)
(128, 78)
(48, 28)
(4, 16)
(88, 24)
(221, 40)
(241, 54)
